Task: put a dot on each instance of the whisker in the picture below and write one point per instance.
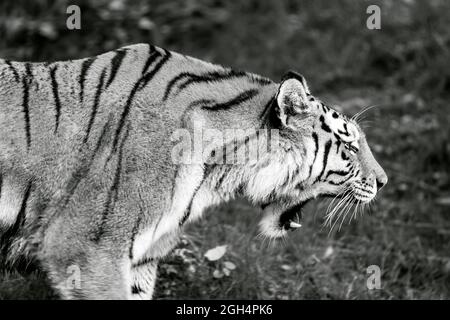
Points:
(355, 212)
(336, 197)
(341, 193)
(329, 216)
(364, 110)
(345, 203)
(347, 210)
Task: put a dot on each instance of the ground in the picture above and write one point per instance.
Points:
(403, 69)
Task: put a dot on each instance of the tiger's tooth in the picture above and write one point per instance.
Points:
(294, 225)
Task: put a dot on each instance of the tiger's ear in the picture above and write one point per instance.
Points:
(292, 97)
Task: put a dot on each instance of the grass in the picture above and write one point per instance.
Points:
(403, 68)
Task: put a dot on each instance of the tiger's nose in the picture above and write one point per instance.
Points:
(382, 179)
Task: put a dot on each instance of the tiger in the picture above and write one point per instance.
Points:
(89, 182)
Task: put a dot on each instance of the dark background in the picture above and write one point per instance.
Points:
(404, 69)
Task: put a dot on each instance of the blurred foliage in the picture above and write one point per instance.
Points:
(327, 41)
(404, 68)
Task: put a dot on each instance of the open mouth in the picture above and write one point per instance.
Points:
(278, 219)
(290, 219)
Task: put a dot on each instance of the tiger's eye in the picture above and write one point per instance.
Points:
(351, 148)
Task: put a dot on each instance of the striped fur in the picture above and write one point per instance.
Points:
(86, 146)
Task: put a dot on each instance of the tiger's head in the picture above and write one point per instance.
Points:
(324, 153)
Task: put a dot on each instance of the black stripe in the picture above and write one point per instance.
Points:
(316, 150)
(84, 70)
(271, 104)
(123, 117)
(55, 96)
(325, 159)
(340, 182)
(258, 79)
(115, 65)
(149, 75)
(143, 262)
(339, 173)
(346, 133)
(13, 70)
(23, 207)
(152, 55)
(134, 233)
(324, 125)
(113, 191)
(200, 102)
(95, 106)
(207, 77)
(151, 58)
(172, 82)
(72, 184)
(187, 212)
(224, 173)
(239, 99)
(136, 289)
(102, 136)
(26, 80)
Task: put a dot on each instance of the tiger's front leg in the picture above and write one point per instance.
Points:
(143, 277)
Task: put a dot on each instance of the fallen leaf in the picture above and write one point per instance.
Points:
(229, 265)
(216, 253)
(328, 252)
(217, 274)
(286, 267)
